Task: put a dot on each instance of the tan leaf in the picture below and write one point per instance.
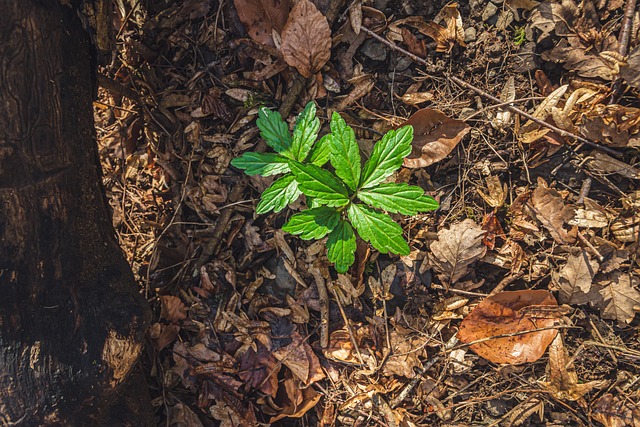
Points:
(182, 415)
(619, 297)
(505, 313)
(615, 412)
(575, 278)
(563, 381)
(306, 39)
(435, 135)
(592, 215)
(497, 192)
(547, 206)
(405, 355)
(508, 94)
(261, 17)
(456, 249)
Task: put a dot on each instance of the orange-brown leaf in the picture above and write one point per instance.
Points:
(502, 314)
(435, 135)
(306, 39)
(261, 17)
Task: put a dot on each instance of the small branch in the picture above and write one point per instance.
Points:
(623, 45)
(493, 98)
(324, 307)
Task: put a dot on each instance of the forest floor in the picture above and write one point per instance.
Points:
(518, 303)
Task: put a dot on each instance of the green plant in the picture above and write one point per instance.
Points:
(519, 36)
(340, 198)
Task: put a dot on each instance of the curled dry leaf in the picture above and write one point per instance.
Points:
(306, 39)
(262, 17)
(574, 280)
(448, 35)
(510, 312)
(547, 206)
(563, 381)
(496, 193)
(435, 135)
(456, 249)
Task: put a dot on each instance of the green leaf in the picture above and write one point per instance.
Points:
(341, 246)
(279, 195)
(320, 184)
(264, 164)
(275, 131)
(313, 223)
(305, 132)
(387, 156)
(378, 229)
(345, 153)
(398, 198)
(320, 151)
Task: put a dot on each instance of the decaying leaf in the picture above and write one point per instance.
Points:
(614, 125)
(511, 312)
(435, 135)
(601, 163)
(456, 249)
(576, 57)
(615, 412)
(297, 400)
(592, 215)
(574, 280)
(619, 297)
(299, 357)
(563, 381)
(626, 229)
(405, 355)
(630, 71)
(547, 206)
(262, 17)
(451, 33)
(173, 309)
(306, 39)
(496, 193)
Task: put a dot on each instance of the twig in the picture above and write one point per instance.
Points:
(623, 44)
(324, 307)
(406, 391)
(492, 98)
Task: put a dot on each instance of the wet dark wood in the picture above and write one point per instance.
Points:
(72, 322)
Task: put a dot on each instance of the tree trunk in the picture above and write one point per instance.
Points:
(72, 323)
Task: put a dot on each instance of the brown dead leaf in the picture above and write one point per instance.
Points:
(603, 164)
(260, 370)
(613, 125)
(298, 400)
(435, 135)
(172, 309)
(306, 39)
(456, 249)
(506, 313)
(547, 206)
(615, 412)
(574, 280)
(578, 58)
(592, 215)
(300, 358)
(630, 71)
(492, 226)
(405, 355)
(619, 297)
(262, 17)
(563, 381)
(496, 193)
(451, 33)
(181, 415)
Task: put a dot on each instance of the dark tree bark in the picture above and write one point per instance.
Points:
(72, 323)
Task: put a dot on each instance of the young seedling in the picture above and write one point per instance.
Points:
(340, 198)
